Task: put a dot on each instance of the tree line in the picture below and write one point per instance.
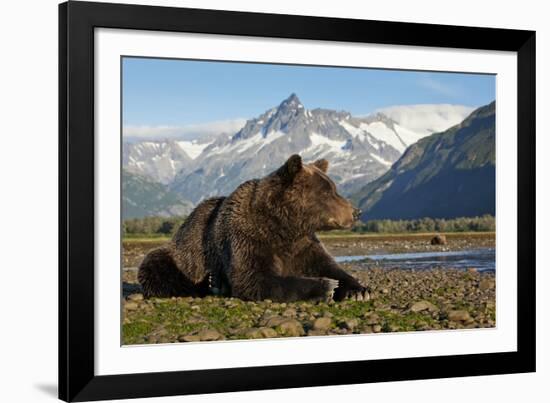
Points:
(152, 226)
(166, 226)
(460, 224)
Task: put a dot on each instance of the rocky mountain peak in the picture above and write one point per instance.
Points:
(292, 102)
(278, 119)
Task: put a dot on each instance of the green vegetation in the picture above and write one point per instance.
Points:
(484, 223)
(151, 227)
(171, 320)
(164, 227)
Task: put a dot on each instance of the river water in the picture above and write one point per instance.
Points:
(480, 259)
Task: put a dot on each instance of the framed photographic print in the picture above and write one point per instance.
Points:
(259, 201)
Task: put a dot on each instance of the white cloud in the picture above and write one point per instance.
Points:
(427, 118)
(187, 132)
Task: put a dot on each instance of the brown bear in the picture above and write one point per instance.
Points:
(259, 242)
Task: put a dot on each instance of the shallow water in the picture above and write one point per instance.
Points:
(480, 259)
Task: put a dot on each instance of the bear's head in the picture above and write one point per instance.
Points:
(311, 196)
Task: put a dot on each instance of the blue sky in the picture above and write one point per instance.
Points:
(163, 92)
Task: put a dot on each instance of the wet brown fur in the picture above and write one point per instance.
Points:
(259, 242)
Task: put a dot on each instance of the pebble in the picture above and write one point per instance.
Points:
(459, 316)
(273, 321)
(135, 297)
(322, 323)
(260, 333)
(268, 332)
(209, 335)
(424, 306)
(291, 327)
(290, 313)
(130, 306)
(371, 318)
(486, 284)
(190, 338)
(349, 324)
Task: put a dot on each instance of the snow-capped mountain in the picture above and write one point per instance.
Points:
(161, 160)
(359, 149)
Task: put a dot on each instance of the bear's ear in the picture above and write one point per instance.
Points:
(322, 164)
(290, 168)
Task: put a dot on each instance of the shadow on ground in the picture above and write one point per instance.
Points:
(128, 288)
(49, 389)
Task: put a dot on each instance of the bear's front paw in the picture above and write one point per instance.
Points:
(354, 292)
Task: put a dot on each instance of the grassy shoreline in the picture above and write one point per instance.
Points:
(401, 301)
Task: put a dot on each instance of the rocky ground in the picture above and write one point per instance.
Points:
(401, 300)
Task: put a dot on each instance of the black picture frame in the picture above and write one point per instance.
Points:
(77, 21)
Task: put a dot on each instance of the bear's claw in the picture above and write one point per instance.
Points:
(354, 293)
(331, 286)
(362, 295)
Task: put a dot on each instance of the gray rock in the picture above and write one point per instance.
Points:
(131, 306)
(371, 318)
(268, 332)
(189, 338)
(273, 321)
(209, 335)
(322, 323)
(291, 327)
(349, 324)
(487, 284)
(459, 316)
(260, 333)
(424, 306)
(290, 313)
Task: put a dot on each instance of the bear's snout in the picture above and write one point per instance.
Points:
(356, 213)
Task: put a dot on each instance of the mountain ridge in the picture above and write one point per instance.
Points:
(444, 175)
(142, 197)
(359, 149)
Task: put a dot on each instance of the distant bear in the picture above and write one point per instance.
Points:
(439, 240)
(259, 242)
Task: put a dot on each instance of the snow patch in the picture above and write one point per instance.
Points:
(321, 146)
(240, 146)
(381, 160)
(383, 133)
(356, 132)
(371, 142)
(408, 136)
(192, 148)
